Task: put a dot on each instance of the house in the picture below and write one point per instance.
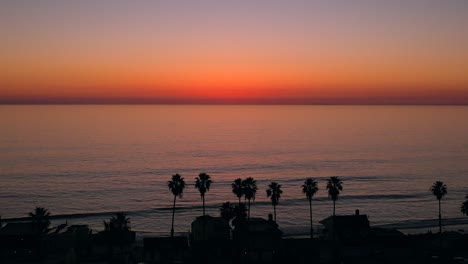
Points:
(346, 227)
(259, 240)
(165, 249)
(210, 228)
(63, 237)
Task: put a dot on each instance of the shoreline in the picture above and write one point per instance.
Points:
(409, 227)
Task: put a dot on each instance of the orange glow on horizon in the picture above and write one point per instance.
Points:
(285, 53)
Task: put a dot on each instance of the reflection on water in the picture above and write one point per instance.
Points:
(91, 160)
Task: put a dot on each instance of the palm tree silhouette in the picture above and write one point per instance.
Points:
(227, 211)
(117, 229)
(464, 206)
(274, 192)
(310, 188)
(439, 190)
(118, 222)
(238, 189)
(203, 183)
(334, 186)
(250, 189)
(240, 215)
(176, 186)
(40, 218)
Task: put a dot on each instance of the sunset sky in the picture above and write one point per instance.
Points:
(278, 52)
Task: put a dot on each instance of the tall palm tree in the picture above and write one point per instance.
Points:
(464, 206)
(274, 192)
(238, 189)
(250, 189)
(203, 183)
(176, 186)
(334, 186)
(310, 188)
(439, 190)
(40, 218)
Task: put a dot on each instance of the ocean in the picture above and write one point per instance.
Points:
(85, 162)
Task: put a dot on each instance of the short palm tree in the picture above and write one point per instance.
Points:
(310, 188)
(227, 211)
(439, 190)
(116, 230)
(250, 189)
(464, 206)
(40, 218)
(237, 188)
(240, 213)
(118, 223)
(334, 186)
(176, 186)
(203, 183)
(274, 192)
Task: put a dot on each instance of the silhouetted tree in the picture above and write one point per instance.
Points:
(464, 206)
(176, 185)
(240, 215)
(310, 188)
(439, 190)
(250, 189)
(238, 189)
(227, 211)
(40, 219)
(203, 183)
(118, 222)
(117, 231)
(274, 192)
(334, 186)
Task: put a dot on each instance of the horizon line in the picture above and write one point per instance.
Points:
(239, 104)
(343, 100)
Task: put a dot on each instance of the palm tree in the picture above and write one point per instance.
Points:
(234, 214)
(176, 186)
(117, 230)
(40, 218)
(274, 192)
(464, 206)
(203, 183)
(238, 189)
(240, 215)
(250, 189)
(439, 190)
(334, 186)
(227, 211)
(118, 222)
(310, 188)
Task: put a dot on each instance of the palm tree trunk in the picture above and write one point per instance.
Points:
(203, 199)
(311, 226)
(204, 219)
(274, 211)
(334, 207)
(333, 223)
(173, 214)
(248, 212)
(440, 220)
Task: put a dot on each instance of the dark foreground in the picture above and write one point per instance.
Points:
(77, 244)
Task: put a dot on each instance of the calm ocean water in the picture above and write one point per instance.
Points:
(84, 162)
